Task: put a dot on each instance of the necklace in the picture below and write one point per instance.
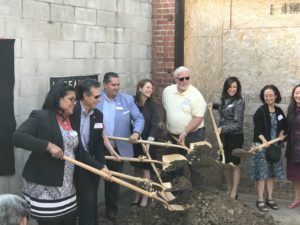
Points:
(66, 124)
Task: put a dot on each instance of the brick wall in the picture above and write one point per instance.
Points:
(163, 45)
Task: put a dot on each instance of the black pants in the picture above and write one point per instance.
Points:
(112, 189)
(87, 198)
(66, 220)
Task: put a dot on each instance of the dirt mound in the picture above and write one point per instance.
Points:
(195, 183)
(208, 207)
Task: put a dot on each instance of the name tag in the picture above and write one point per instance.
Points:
(280, 117)
(98, 126)
(119, 108)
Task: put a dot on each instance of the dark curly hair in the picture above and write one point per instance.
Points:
(276, 92)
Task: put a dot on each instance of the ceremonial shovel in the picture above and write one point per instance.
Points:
(125, 184)
(221, 150)
(239, 152)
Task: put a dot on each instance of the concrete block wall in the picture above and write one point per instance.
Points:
(71, 38)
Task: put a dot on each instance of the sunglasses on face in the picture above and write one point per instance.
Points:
(183, 78)
(96, 97)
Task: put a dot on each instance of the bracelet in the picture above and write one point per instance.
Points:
(184, 133)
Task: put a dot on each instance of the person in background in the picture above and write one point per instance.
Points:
(88, 123)
(230, 128)
(185, 108)
(293, 145)
(48, 180)
(147, 107)
(13, 210)
(118, 111)
(269, 123)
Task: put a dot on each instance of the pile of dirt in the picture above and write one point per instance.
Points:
(195, 183)
(208, 207)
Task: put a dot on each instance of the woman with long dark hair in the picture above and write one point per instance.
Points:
(230, 128)
(293, 145)
(48, 180)
(144, 102)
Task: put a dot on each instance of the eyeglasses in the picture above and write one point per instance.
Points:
(183, 78)
(97, 96)
(73, 100)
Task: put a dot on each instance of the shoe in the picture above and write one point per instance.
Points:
(262, 206)
(272, 204)
(235, 197)
(294, 204)
(111, 215)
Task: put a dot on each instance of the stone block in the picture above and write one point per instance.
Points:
(95, 33)
(18, 28)
(109, 35)
(111, 5)
(146, 10)
(25, 67)
(35, 49)
(80, 3)
(62, 13)
(61, 49)
(122, 51)
(145, 66)
(121, 5)
(105, 50)
(142, 23)
(85, 16)
(18, 48)
(125, 20)
(106, 19)
(99, 68)
(53, 1)
(32, 86)
(116, 65)
(36, 10)
(139, 51)
(119, 35)
(85, 50)
(132, 7)
(96, 4)
(12, 8)
(45, 30)
(73, 32)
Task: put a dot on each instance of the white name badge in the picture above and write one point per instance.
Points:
(119, 108)
(98, 126)
(280, 117)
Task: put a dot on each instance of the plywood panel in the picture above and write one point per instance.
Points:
(263, 14)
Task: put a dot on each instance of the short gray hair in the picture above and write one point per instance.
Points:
(180, 70)
(13, 209)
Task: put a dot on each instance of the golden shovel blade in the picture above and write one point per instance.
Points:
(170, 158)
(194, 145)
(242, 153)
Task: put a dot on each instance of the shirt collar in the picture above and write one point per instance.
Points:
(83, 112)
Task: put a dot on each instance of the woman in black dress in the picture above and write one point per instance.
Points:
(146, 106)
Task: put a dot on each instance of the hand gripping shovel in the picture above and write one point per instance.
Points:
(125, 184)
(239, 152)
(221, 150)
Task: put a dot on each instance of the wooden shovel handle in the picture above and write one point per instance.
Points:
(162, 144)
(262, 146)
(141, 160)
(137, 179)
(221, 151)
(117, 180)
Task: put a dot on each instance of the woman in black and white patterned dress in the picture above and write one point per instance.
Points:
(48, 180)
